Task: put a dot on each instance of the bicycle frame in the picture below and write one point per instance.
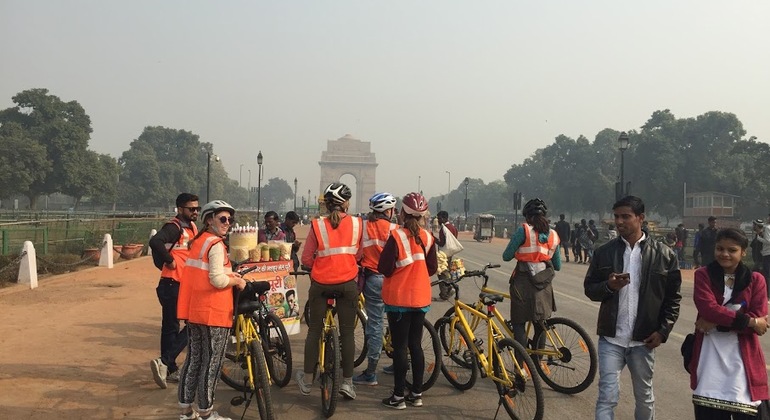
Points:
(328, 325)
(244, 334)
(493, 332)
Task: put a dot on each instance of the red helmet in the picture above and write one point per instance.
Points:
(415, 204)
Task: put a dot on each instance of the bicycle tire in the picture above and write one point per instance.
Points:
(568, 374)
(359, 338)
(261, 381)
(431, 349)
(524, 400)
(279, 358)
(458, 362)
(234, 371)
(331, 376)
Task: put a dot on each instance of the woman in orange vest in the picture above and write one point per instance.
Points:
(206, 302)
(407, 262)
(331, 251)
(536, 249)
(376, 231)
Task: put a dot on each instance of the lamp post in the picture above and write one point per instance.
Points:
(308, 202)
(259, 184)
(419, 180)
(466, 203)
(240, 176)
(622, 145)
(208, 174)
(448, 184)
(295, 194)
(249, 187)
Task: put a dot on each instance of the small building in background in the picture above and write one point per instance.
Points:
(699, 206)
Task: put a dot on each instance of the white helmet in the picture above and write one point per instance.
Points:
(215, 206)
(382, 201)
(337, 193)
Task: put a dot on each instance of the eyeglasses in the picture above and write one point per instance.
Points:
(225, 219)
(193, 209)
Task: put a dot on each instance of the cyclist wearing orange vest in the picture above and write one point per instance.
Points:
(407, 262)
(170, 246)
(536, 249)
(376, 231)
(332, 250)
(206, 302)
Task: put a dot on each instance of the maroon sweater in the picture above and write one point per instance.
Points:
(708, 294)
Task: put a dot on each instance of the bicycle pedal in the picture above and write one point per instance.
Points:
(236, 401)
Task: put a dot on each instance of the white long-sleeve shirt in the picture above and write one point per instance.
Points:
(218, 274)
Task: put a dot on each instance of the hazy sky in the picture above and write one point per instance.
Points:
(470, 87)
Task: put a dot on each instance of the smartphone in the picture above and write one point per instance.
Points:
(625, 276)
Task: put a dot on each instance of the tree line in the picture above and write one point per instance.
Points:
(45, 151)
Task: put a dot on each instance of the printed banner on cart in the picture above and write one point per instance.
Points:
(282, 298)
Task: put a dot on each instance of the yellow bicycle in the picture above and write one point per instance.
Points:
(565, 353)
(245, 367)
(329, 358)
(503, 360)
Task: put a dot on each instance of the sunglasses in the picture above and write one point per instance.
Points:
(193, 209)
(225, 219)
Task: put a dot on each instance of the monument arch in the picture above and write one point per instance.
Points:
(350, 156)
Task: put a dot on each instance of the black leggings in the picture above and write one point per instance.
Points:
(406, 331)
(708, 413)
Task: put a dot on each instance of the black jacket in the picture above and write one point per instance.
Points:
(658, 292)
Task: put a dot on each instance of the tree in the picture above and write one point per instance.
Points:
(61, 129)
(23, 161)
(275, 194)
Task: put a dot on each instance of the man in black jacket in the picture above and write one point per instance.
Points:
(637, 281)
(563, 230)
(708, 240)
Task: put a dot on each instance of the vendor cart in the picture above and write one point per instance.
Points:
(485, 228)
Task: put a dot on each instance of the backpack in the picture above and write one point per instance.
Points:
(156, 257)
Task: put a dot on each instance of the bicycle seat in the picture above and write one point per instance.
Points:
(247, 307)
(490, 298)
(254, 289)
(331, 294)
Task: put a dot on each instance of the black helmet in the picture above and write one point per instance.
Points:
(337, 193)
(534, 207)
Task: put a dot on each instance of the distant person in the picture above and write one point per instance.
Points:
(758, 227)
(708, 239)
(728, 374)
(445, 290)
(272, 230)
(611, 232)
(206, 302)
(577, 252)
(536, 249)
(563, 230)
(764, 238)
(287, 227)
(681, 241)
(696, 246)
(170, 244)
(637, 281)
(586, 238)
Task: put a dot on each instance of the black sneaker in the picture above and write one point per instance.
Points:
(392, 402)
(414, 399)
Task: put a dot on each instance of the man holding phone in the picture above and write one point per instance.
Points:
(637, 282)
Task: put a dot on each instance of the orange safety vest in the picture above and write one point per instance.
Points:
(374, 237)
(534, 251)
(199, 301)
(179, 250)
(409, 286)
(335, 260)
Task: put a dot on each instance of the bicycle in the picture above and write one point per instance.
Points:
(245, 355)
(566, 356)
(504, 361)
(359, 329)
(329, 358)
(431, 348)
(275, 340)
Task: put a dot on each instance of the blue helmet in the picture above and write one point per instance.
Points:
(382, 201)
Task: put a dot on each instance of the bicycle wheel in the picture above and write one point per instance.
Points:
(431, 350)
(331, 376)
(234, 368)
(458, 362)
(360, 338)
(273, 333)
(524, 399)
(575, 370)
(261, 381)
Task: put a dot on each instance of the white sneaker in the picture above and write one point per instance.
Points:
(347, 389)
(191, 416)
(215, 416)
(173, 377)
(304, 388)
(159, 372)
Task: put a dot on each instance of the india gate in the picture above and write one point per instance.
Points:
(350, 156)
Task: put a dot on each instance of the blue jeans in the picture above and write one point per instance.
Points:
(641, 363)
(374, 323)
(172, 339)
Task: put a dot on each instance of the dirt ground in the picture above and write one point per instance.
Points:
(79, 345)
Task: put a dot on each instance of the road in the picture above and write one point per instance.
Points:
(79, 347)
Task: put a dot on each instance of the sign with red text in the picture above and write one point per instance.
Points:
(282, 299)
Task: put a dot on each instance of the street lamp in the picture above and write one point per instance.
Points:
(249, 188)
(208, 174)
(295, 194)
(259, 183)
(240, 176)
(308, 202)
(622, 145)
(419, 179)
(467, 203)
(448, 184)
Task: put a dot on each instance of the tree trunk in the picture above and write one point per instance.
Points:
(32, 200)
